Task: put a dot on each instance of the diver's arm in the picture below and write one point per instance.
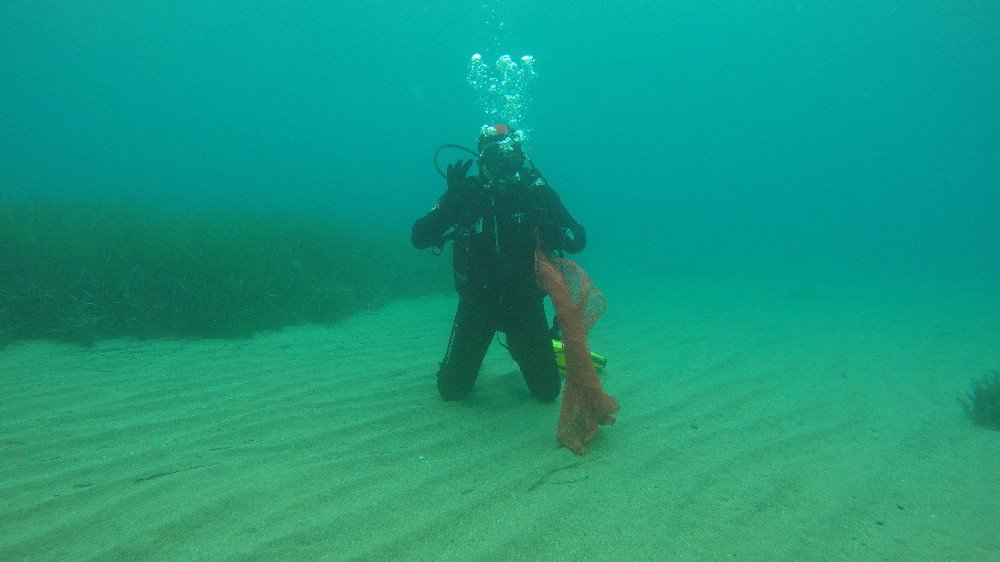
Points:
(560, 231)
(429, 229)
(460, 205)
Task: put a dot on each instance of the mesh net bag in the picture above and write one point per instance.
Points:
(578, 304)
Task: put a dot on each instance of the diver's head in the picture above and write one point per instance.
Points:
(500, 152)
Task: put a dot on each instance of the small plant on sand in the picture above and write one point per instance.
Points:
(984, 401)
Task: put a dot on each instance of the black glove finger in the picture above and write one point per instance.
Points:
(466, 166)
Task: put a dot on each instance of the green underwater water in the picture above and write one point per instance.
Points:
(689, 138)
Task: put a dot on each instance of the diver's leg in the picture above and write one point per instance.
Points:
(471, 335)
(556, 331)
(530, 344)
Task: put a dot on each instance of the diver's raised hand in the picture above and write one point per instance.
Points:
(463, 200)
(457, 172)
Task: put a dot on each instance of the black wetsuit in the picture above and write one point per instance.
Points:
(493, 253)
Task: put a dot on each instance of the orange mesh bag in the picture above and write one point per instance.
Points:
(578, 304)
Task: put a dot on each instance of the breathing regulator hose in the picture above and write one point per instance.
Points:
(474, 155)
(444, 146)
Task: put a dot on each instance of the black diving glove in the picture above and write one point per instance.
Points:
(456, 174)
(551, 237)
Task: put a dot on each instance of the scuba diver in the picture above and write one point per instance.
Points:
(496, 219)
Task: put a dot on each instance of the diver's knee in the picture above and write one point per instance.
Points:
(546, 393)
(451, 390)
(547, 397)
(451, 395)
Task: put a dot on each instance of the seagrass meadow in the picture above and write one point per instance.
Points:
(83, 272)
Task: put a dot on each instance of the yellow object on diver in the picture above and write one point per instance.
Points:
(599, 360)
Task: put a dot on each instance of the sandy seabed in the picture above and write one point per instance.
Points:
(811, 423)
